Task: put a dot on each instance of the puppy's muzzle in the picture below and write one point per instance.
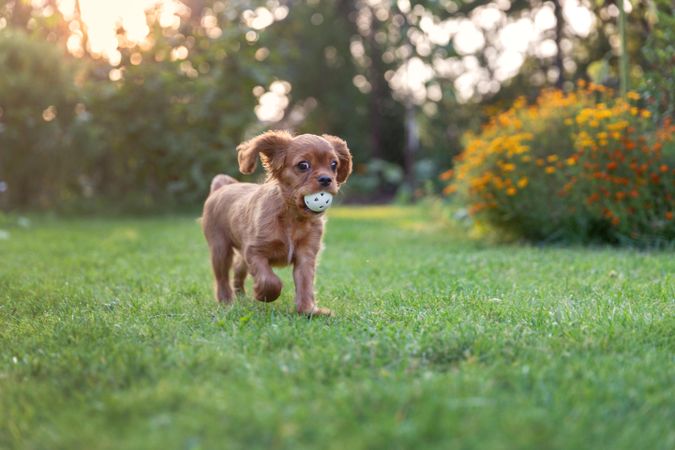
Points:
(324, 180)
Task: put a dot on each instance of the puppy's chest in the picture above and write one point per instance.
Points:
(285, 245)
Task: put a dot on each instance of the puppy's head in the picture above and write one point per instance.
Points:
(304, 164)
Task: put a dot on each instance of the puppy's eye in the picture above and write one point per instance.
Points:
(303, 166)
(333, 166)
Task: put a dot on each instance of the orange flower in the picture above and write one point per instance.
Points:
(669, 215)
(593, 198)
(450, 189)
(612, 165)
(476, 208)
(511, 191)
(550, 169)
(663, 168)
(571, 161)
(445, 176)
(522, 182)
(620, 195)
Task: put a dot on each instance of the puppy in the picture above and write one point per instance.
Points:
(254, 227)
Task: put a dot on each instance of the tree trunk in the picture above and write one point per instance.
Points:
(376, 80)
(559, 24)
(412, 144)
(21, 13)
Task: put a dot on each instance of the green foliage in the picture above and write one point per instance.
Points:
(153, 137)
(176, 105)
(465, 347)
(38, 162)
(659, 51)
(182, 122)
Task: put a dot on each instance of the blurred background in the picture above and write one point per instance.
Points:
(133, 105)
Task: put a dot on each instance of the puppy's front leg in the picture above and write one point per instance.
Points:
(303, 276)
(266, 285)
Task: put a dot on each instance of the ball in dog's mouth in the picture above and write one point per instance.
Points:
(319, 201)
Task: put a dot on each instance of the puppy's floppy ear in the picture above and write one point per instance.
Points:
(271, 146)
(344, 157)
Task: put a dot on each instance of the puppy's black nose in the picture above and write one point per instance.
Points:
(325, 181)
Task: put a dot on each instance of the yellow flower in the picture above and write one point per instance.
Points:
(632, 95)
(594, 123)
(511, 191)
(522, 182)
(618, 126)
(633, 111)
(552, 158)
(550, 169)
(602, 135)
(508, 167)
(645, 114)
(569, 121)
(571, 161)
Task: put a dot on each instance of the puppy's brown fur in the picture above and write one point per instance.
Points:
(254, 227)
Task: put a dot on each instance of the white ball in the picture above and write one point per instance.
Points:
(319, 201)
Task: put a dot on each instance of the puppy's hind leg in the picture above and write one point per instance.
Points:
(240, 272)
(221, 260)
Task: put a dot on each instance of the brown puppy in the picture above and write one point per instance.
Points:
(257, 226)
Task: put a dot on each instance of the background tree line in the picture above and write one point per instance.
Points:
(151, 128)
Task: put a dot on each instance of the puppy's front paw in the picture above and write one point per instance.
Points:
(267, 289)
(315, 311)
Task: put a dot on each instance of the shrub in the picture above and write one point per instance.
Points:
(37, 160)
(584, 166)
(151, 139)
(163, 135)
(659, 53)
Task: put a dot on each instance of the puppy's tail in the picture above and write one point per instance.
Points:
(220, 181)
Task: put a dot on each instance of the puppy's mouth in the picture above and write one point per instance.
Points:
(303, 207)
(315, 213)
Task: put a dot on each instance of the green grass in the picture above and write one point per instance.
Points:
(110, 339)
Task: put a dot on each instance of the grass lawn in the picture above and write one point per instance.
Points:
(110, 339)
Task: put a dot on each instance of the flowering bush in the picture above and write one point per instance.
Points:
(584, 166)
